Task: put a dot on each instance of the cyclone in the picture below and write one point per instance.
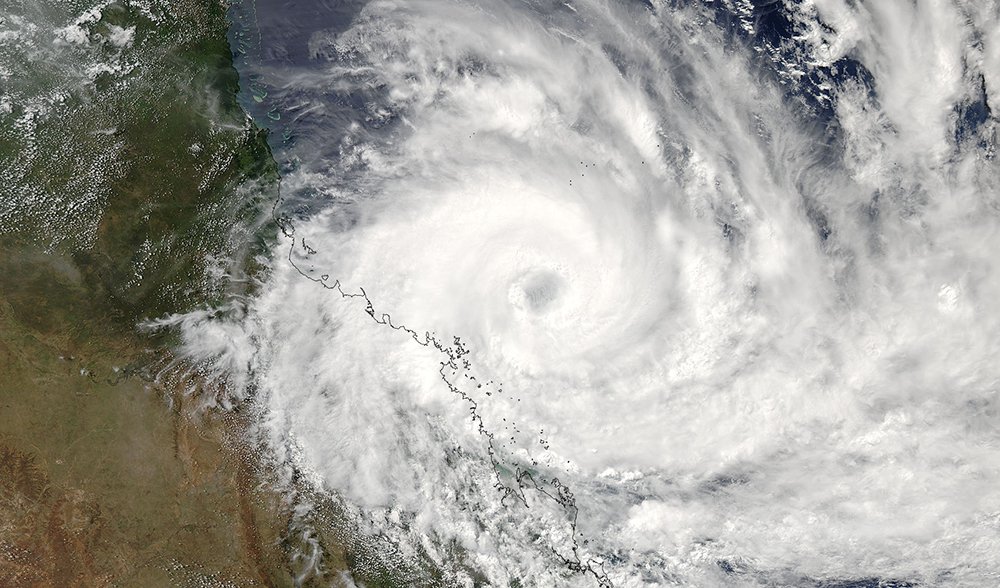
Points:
(606, 293)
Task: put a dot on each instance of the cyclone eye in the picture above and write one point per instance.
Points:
(536, 292)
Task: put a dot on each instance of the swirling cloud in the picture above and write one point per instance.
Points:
(702, 339)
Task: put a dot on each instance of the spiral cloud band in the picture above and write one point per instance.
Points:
(726, 305)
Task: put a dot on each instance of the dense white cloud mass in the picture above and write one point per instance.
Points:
(751, 328)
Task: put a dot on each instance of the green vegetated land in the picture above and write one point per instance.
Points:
(130, 180)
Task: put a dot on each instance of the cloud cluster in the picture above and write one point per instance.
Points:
(723, 343)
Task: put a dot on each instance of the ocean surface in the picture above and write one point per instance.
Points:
(657, 293)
